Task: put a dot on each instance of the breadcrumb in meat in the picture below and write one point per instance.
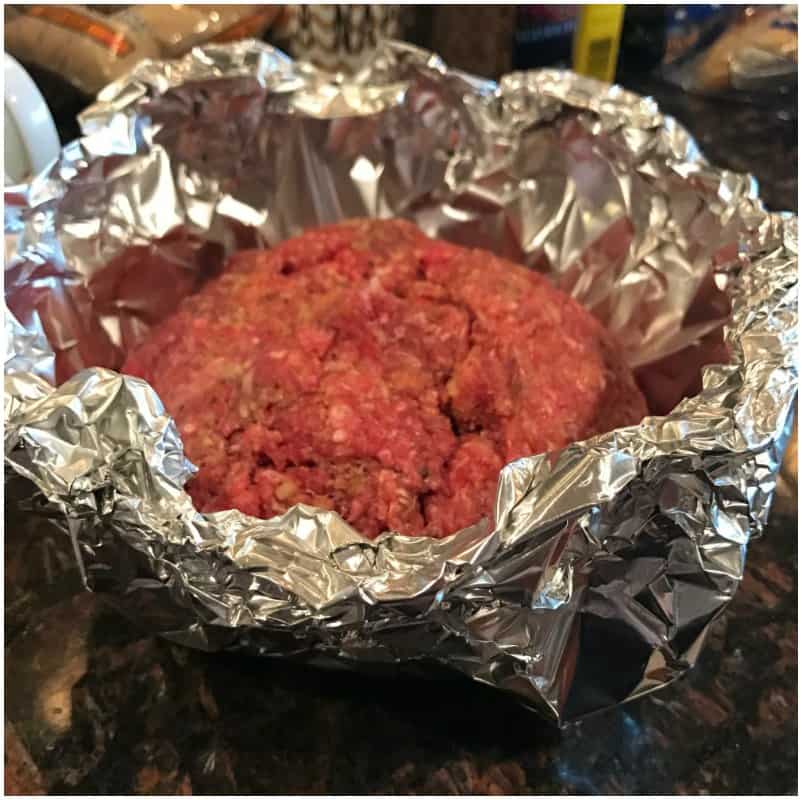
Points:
(366, 368)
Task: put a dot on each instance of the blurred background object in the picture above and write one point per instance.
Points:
(87, 48)
(477, 39)
(73, 51)
(336, 38)
(733, 49)
(596, 41)
(90, 46)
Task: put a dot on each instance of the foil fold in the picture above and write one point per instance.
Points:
(606, 563)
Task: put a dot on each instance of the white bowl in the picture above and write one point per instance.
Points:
(31, 141)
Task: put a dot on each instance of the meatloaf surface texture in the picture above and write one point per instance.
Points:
(366, 368)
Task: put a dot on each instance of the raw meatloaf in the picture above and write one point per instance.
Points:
(366, 368)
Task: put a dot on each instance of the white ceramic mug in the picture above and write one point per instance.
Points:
(31, 140)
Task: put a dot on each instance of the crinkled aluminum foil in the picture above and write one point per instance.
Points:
(608, 561)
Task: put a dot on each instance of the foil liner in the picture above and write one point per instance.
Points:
(606, 563)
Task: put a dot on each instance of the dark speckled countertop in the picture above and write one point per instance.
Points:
(94, 706)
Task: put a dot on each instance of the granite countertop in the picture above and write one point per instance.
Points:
(94, 706)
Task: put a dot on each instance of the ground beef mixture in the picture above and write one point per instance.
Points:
(366, 368)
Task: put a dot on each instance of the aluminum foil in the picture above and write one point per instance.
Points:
(606, 563)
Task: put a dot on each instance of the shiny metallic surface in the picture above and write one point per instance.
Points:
(632, 543)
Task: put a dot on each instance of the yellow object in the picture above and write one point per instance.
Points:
(596, 40)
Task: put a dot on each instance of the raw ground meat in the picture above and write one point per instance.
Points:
(366, 368)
